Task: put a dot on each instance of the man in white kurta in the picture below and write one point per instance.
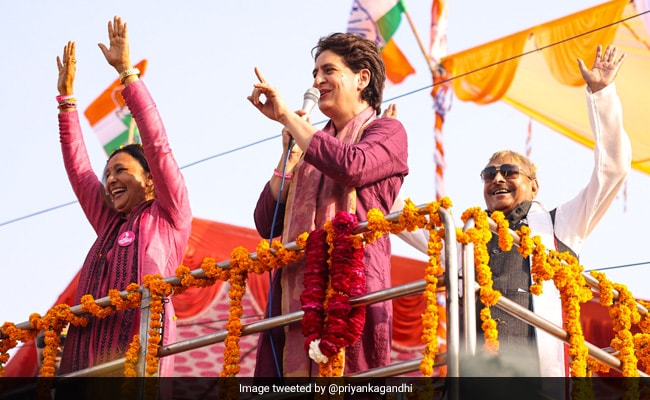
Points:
(512, 190)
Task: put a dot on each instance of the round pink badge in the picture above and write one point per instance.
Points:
(126, 238)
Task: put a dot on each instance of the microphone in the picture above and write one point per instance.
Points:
(310, 99)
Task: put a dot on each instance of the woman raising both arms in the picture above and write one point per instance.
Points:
(139, 208)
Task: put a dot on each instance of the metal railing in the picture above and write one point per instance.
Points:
(450, 283)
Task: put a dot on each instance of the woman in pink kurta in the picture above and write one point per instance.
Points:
(140, 211)
(355, 163)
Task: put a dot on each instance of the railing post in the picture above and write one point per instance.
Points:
(145, 316)
(451, 278)
(469, 294)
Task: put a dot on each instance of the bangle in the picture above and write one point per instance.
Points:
(128, 72)
(60, 98)
(285, 176)
(64, 105)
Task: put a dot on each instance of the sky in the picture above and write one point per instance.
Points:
(201, 59)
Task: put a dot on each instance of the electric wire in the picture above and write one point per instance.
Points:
(409, 93)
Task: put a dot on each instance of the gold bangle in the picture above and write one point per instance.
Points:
(128, 72)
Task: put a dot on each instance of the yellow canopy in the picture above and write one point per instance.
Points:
(547, 84)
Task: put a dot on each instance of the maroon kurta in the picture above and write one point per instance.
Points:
(375, 167)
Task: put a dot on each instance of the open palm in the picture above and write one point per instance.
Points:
(604, 70)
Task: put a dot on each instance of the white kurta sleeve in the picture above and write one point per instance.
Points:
(577, 218)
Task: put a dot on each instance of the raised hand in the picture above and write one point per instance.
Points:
(117, 54)
(67, 65)
(390, 112)
(273, 106)
(604, 70)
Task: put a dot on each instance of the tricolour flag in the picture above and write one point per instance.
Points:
(111, 119)
(378, 20)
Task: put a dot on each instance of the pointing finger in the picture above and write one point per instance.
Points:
(259, 75)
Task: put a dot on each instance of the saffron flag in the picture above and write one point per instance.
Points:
(111, 119)
(378, 21)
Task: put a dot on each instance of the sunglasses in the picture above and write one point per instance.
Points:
(508, 171)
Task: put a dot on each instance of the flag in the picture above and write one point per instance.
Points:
(378, 21)
(441, 91)
(438, 38)
(111, 119)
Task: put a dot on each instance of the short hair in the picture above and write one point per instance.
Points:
(358, 53)
(525, 162)
(136, 151)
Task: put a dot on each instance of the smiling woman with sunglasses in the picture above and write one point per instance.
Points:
(510, 185)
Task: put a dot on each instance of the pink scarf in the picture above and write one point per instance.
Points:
(313, 199)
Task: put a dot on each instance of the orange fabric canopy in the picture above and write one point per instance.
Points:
(547, 85)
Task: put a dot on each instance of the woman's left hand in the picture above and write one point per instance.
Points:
(274, 107)
(118, 54)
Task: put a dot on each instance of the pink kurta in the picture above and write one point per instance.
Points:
(163, 229)
(375, 167)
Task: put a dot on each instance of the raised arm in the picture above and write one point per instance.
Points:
(577, 218)
(169, 183)
(87, 187)
(118, 55)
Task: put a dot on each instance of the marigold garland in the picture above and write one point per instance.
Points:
(188, 280)
(53, 323)
(526, 244)
(89, 306)
(132, 357)
(561, 268)
(432, 271)
(505, 238)
(624, 313)
(566, 273)
(480, 236)
(158, 290)
(132, 300)
(240, 263)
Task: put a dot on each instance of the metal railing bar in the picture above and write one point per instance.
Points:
(406, 289)
(400, 368)
(593, 282)
(200, 274)
(533, 319)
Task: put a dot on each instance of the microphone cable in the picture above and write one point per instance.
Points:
(270, 298)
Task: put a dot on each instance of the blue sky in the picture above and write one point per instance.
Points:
(201, 59)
